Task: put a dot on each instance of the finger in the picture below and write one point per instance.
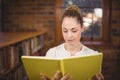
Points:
(70, 78)
(95, 77)
(42, 76)
(57, 76)
(98, 77)
(101, 77)
(67, 77)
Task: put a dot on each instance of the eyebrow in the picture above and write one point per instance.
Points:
(72, 28)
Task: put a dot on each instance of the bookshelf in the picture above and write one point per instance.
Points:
(12, 46)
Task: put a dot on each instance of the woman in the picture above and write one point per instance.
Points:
(72, 28)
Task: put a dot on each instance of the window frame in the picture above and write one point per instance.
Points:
(105, 25)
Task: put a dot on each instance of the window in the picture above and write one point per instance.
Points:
(97, 28)
(92, 16)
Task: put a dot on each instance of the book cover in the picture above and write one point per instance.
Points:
(80, 68)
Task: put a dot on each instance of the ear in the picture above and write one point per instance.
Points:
(82, 28)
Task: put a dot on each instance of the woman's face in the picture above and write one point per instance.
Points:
(71, 30)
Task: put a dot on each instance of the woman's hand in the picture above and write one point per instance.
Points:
(57, 76)
(98, 77)
(67, 76)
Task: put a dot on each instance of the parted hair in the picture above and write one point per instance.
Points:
(73, 11)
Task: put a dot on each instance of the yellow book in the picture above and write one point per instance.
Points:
(80, 68)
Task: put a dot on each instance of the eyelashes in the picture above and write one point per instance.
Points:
(65, 31)
(74, 31)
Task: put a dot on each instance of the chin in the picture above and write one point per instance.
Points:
(70, 43)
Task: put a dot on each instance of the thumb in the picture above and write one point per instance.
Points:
(43, 77)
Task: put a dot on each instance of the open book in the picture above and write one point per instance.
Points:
(80, 68)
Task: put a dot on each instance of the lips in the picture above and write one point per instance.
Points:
(70, 41)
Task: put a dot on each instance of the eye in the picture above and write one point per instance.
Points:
(74, 30)
(65, 31)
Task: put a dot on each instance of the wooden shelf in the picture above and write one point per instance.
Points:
(11, 70)
(9, 38)
(13, 45)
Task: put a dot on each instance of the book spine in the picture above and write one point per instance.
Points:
(62, 67)
(101, 62)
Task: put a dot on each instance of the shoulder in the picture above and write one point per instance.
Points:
(52, 51)
(89, 50)
(56, 48)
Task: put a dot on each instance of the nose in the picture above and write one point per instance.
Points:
(69, 34)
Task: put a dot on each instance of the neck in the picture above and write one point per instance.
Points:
(73, 49)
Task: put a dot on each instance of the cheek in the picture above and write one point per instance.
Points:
(80, 32)
(64, 35)
(77, 35)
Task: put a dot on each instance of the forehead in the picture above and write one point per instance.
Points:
(69, 22)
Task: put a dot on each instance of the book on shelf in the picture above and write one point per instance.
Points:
(26, 47)
(13, 46)
(36, 45)
(80, 67)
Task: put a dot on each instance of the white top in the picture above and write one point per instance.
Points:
(60, 52)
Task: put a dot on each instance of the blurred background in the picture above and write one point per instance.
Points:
(101, 22)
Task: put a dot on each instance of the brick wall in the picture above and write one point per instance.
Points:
(0, 15)
(115, 22)
(111, 60)
(114, 52)
(30, 15)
